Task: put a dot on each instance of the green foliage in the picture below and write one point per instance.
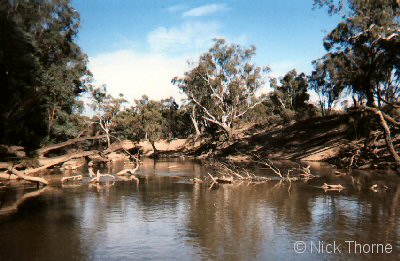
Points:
(150, 118)
(223, 83)
(291, 93)
(364, 48)
(323, 80)
(40, 70)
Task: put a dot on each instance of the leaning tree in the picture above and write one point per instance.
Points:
(223, 84)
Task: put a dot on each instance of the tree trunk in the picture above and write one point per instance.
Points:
(108, 140)
(388, 138)
(196, 125)
(370, 97)
(386, 131)
(152, 142)
(228, 132)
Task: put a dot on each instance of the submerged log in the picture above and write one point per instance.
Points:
(73, 178)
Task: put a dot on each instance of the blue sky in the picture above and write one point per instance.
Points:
(137, 46)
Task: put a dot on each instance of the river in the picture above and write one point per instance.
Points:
(166, 217)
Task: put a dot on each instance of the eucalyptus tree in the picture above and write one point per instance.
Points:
(223, 84)
(367, 41)
(106, 109)
(324, 81)
(41, 69)
(291, 91)
(151, 119)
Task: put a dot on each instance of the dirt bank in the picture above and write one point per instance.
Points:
(316, 139)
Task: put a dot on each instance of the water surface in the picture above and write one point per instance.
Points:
(166, 217)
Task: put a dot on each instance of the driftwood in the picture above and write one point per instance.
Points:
(73, 178)
(98, 176)
(122, 174)
(50, 162)
(91, 172)
(132, 177)
(16, 151)
(229, 173)
(120, 145)
(22, 175)
(128, 171)
(8, 176)
(327, 187)
(47, 149)
(72, 164)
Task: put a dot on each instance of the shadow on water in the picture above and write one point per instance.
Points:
(167, 218)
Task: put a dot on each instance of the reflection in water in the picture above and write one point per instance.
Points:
(166, 218)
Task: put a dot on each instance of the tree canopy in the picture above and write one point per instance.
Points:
(223, 84)
(364, 46)
(41, 70)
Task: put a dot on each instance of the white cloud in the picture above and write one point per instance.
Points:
(189, 38)
(205, 10)
(176, 8)
(133, 74)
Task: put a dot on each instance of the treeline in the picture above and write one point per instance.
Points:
(43, 76)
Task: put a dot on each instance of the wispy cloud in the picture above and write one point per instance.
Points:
(176, 8)
(189, 38)
(205, 10)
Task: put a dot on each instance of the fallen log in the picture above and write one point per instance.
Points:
(8, 176)
(125, 145)
(50, 162)
(16, 151)
(5, 165)
(49, 148)
(73, 164)
(22, 175)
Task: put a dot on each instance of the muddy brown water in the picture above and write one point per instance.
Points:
(166, 217)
